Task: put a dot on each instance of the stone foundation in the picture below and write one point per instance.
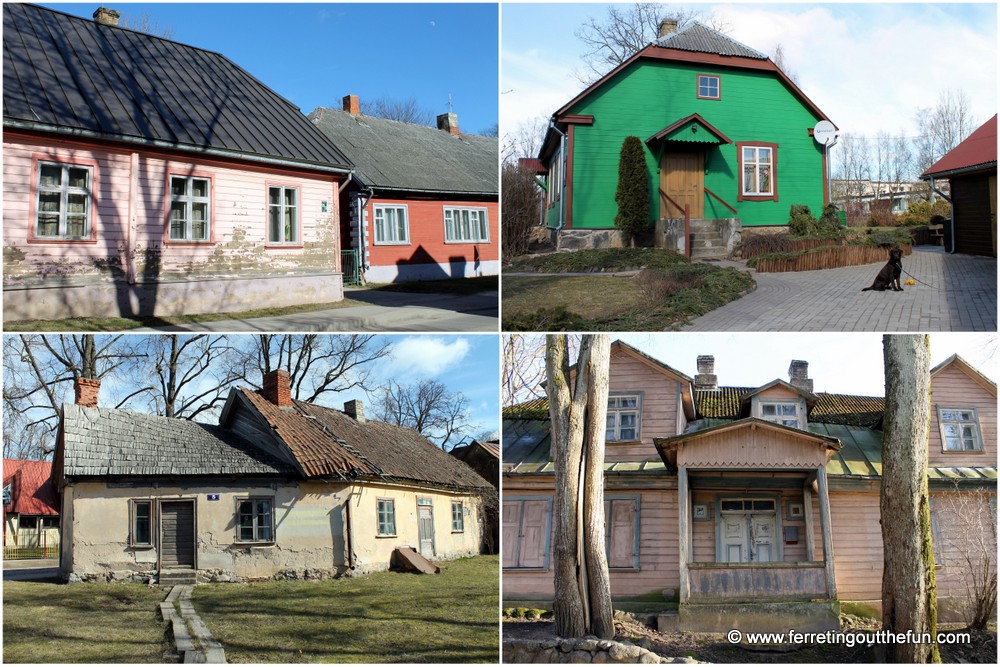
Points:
(585, 650)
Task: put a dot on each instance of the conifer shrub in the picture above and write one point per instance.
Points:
(632, 195)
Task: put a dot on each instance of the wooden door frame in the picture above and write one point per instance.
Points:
(433, 535)
(159, 528)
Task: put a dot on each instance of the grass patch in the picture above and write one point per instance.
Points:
(379, 618)
(457, 286)
(85, 623)
(656, 299)
(120, 323)
(596, 260)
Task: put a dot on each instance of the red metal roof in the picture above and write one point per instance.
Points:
(532, 164)
(978, 150)
(31, 486)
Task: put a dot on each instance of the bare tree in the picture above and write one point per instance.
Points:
(192, 374)
(968, 548)
(427, 407)
(523, 369)
(578, 401)
(854, 173)
(781, 61)
(493, 131)
(942, 127)
(146, 24)
(521, 198)
(624, 30)
(523, 140)
(405, 110)
(909, 589)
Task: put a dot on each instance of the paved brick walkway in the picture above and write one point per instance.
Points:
(963, 297)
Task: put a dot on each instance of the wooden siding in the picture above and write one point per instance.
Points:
(975, 213)
(952, 388)
(659, 407)
(646, 96)
(751, 447)
(139, 224)
(966, 532)
(857, 544)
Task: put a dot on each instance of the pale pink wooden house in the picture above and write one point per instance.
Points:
(144, 176)
(751, 507)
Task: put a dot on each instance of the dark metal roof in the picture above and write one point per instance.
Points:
(391, 155)
(102, 442)
(71, 75)
(702, 39)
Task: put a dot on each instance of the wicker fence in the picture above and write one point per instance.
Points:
(828, 258)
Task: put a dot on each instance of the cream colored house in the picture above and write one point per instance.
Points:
(279, 489)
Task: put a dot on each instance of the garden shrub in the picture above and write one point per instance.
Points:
(801, 221)
(759, 244)
(921, 212)
(632, 195)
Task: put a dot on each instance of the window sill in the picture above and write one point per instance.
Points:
(962, 451)
(744, 197)
(283, 246)
(255, 544)
(526, 569)
(68, 240)
(392, 243)
(142, 547)
(393, 536)
(465, 242)
(189, 244)
(458, 532)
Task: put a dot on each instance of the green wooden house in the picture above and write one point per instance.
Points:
(728, 136)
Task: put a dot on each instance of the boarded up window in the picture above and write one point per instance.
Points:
(526, 527)
(621, 525)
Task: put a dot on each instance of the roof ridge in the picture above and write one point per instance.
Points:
(661, 41)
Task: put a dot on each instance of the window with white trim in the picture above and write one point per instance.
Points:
(708, 87)
(784, 413)
(63, 208)
(457, 517)
(758, 170)
(190, 208)
(282, 215)
(386, 517)
(391, 225)
(255, 520)
(466, 225)
(623, 417)
(959, 430)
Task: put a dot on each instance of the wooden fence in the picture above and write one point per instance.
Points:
(829, 258)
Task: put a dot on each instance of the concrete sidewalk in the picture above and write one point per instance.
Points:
(953, 293)
(387, 311)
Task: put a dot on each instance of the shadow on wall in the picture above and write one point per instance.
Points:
(421, 265)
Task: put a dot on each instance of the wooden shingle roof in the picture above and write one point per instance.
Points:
(101, 442)
(73, 76)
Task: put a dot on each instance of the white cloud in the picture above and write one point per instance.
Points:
(427, 356)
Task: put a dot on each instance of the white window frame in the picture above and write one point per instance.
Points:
(391, 514)
(258, 538)
(282, 207)
(972, 422)
(189, 200)
(478, 230)
(718, 87)
(457, 516)
(779, 417)
(756, 162)
(64, 190)
(614, 427)
(379, 226)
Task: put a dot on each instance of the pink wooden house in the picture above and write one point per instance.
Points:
(143, 176)
(751, 507)
(423, 203)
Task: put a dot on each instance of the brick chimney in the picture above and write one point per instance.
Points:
(106, 16)
(667, 27)
(798, 375)
(706, 378)
(277, 388)
(86, 390)
(356, 410)
(449, 123)
(352, 105)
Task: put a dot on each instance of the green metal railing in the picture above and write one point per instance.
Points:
(351, 266)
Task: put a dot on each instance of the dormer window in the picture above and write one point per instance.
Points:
(784, 413)
(623, 417)
(960, 430)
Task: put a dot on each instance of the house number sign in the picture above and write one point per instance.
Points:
(213, 496)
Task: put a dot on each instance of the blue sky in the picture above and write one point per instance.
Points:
(867, 66)
(316, 53)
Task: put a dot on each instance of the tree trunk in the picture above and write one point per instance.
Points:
(566, 432)
(599, 583)
(909, 595)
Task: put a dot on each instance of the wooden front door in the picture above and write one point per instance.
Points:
(425, 528)
(762, 547)
(734, 538)
(177, 534)
(682, 177)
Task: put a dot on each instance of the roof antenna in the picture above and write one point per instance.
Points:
(450, 109)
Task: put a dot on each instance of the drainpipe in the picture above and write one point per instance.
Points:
(365, 197)
(562, 173)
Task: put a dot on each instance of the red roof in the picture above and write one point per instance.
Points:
(532, 164)
(31, 487)
(979, 150)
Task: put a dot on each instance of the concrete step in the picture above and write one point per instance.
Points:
(178, 577)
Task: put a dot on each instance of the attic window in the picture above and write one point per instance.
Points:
(623, 418)
(785, 414)
(960, 430)
(709, 87)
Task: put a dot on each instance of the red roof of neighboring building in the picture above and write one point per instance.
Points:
(32, 488)
(977, 151)
(532, 164)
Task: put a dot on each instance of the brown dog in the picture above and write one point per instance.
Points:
(888, 277)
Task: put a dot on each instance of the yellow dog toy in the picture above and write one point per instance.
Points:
(911, 281)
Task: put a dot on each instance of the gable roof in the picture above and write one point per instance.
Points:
(73, 76)
(328, 442)
(33, 491)
(392, 155)
(686, 129)
(702, 39)
(977, 152)
(967, 368)
(105, 442)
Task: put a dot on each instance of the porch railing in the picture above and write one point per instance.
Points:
(720, 200)
(686, 210)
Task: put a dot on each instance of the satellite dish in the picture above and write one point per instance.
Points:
(824, 132)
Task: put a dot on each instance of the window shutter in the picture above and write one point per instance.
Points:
(622, 518)
(511, 524)
(533, 537)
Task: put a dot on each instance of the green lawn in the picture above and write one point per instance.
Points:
(86, 623)
(382, 617)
